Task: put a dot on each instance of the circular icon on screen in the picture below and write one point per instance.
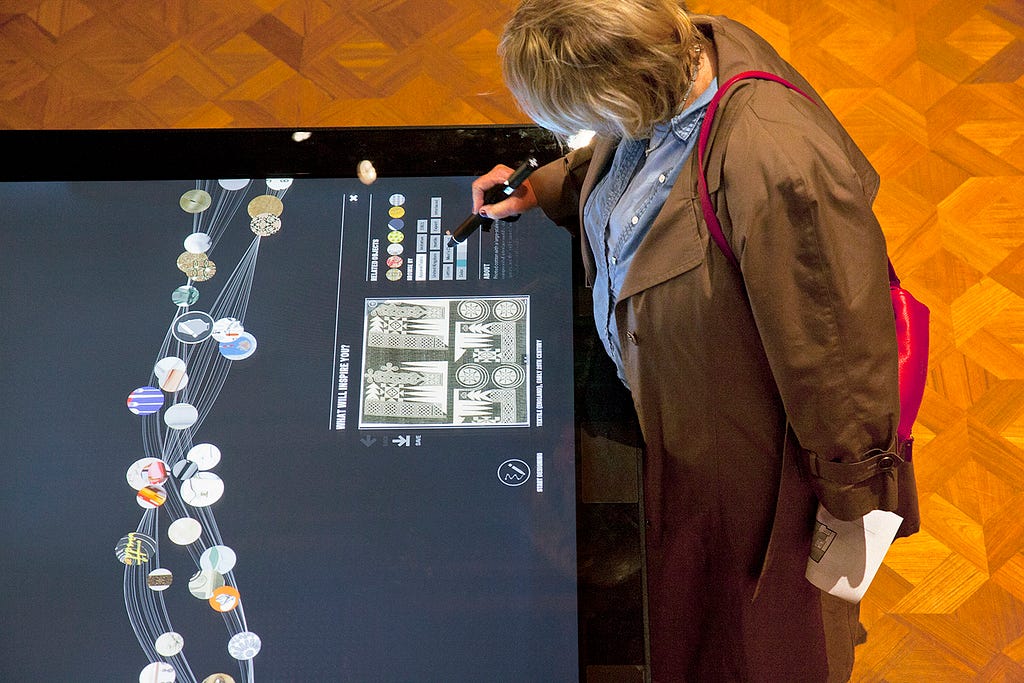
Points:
(265, 203)
(186, 295)
(169, 644)
(192, 327)
(145, 400)
(195, 201)
(157, 672)
(234, 184)
(513, 472)
(198, 267)
(170, 374)
(198, 243)
(244, 645)
(265, 224)
(160, 579)
(279, 183)
(239, 349)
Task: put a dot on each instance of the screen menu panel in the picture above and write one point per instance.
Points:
(300, 437)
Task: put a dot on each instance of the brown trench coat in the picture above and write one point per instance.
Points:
(758, 393)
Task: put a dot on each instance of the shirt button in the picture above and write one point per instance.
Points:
(886, 463)
(631, 336)
(615, 259)
(634, 220)
(662, 178)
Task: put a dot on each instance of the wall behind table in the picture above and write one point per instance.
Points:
(931, 89)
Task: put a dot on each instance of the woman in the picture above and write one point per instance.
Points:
(761, 389)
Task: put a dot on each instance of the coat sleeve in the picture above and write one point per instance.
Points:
(557, 187)
(813, 261)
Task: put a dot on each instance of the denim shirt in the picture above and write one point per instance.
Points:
(624, 204)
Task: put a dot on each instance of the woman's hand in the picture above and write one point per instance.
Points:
(522, 200)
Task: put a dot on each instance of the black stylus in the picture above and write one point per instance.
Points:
(492, 196)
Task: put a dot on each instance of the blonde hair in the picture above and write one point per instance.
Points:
(614, 66)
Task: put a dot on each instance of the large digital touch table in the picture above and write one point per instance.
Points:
(262, 423)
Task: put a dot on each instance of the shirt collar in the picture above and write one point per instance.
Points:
(686, 123)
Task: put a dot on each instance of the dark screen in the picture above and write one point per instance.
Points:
(396, 453)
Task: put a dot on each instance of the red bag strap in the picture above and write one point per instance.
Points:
(714, 226)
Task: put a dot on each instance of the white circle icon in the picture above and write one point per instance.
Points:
(513, 473)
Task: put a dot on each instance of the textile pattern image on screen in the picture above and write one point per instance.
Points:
(438, 362)
(299, 438)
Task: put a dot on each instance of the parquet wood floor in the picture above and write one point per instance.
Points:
(933, 91)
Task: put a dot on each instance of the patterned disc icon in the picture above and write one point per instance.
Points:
(278, 184)
(193, 327)
(157, 672)
(197, 243)
(160, 579)
(219, 678)
(204, 582)
(145, 472)
(227, 329)
(225, 599)
(184, 531)
(219, 558)
(204, 455)
(239, 349)
(195, 201)
(181, 416)
(244, 645)
(169, 644)
(198, 267)
(150, 497)
(265, 224)
(186, 295)
(170, 374)
(183, 469)
(135, 549)
(202, 489)
(145, 401)
(265, 203)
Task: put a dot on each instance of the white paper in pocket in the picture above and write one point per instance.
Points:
(845, 556)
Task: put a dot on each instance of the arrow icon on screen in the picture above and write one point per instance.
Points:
(367, 441)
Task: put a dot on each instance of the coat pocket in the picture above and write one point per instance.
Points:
(675, 244)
